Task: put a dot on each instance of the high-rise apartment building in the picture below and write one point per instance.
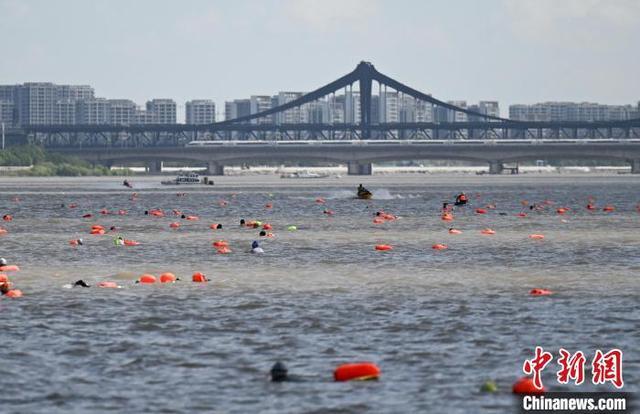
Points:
(200, 111)
(571, 111)
(237, 108)
(259, 103)
(122, 112)
(142, 117)
(64, 112)
(6, 113)
(92, 111)
(388, 110)
(290, 116)
(352, 107)
(164, 110)
(35, 103)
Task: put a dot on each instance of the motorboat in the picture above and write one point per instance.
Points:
(363, 193)
(188, 178)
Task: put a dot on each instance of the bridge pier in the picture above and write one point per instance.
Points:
(357, 168)
(213, 168)
(635, 166)
(154, 167)
(495, 167)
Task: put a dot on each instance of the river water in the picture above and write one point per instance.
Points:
(438, 323)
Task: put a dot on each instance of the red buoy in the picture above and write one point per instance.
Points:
(525, 385)
(198, 277)
(167, 278)
(361, 371)
(383, 247)
(147, 278)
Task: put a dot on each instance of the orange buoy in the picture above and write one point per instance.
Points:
(361, 371)
(130, 242)
(439, 246)
(383, 247)
(220, 243)
(9, 268)
(199, 277)
(525, 385)
(223, 250)
(487, 231)
(174, 225)
(14, 293)
(7, 217)
(267, 226)
(147, 278)
(167, 278)
(540, 292)
(536, 236)
(455, 231)
(521, 214)
(110, 285)
(481, 211)
(608, 208)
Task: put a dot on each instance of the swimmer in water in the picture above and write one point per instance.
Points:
(4, 288)
(255, 247)
(81, 283)
(279, 372)
(119, 241)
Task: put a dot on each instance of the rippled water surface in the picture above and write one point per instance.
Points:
(438, 323)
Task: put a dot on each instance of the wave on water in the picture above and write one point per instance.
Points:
(384, 194)
(340, 195)
(378, 194)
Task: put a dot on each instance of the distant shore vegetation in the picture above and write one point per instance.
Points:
(45, 164)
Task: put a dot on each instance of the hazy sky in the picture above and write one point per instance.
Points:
(514, 51)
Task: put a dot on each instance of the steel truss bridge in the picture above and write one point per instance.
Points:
(89, 141)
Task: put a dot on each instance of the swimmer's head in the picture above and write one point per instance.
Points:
(3, 261)
(242, 222)
(255, 244)
(263, 233)
(183, 216)
(219, 226)
(278, 372)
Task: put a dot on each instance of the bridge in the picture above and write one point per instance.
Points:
(359, 142)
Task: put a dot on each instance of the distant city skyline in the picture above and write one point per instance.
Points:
(514, 52)
(46, 103)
